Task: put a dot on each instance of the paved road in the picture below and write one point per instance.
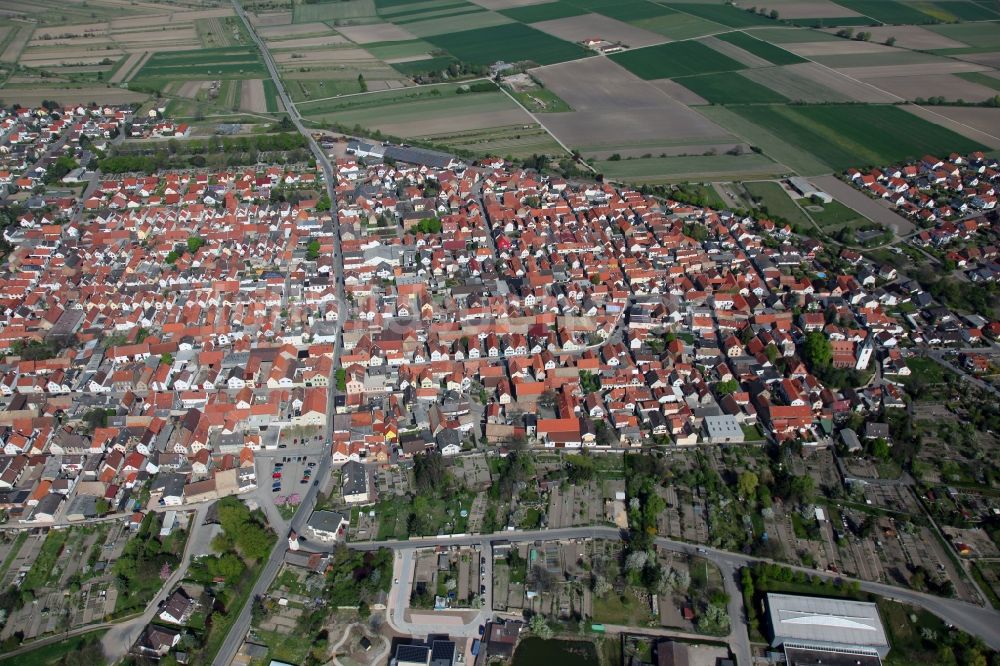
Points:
(242, 625)
(117, 641)
(976, 620)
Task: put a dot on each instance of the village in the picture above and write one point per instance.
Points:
(429, 349)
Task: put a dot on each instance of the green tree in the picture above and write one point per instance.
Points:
(727, 387)
(817, 350)
(195, 243)
(747, 484)
(312, 251)
(540, 627)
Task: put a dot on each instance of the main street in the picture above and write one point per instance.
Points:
(241, 627)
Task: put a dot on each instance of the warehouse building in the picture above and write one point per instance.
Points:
(814, 630)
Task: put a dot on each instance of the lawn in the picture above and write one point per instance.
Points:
(545, 12)
(773, 54)
(541, 100)
(513, 42)
(624, 609)
(776, 202)
(925, 370)
(724, 14)
(730, 88)
(835, 214)
(843, 136)
(287, 648)
(665, 61)
(46, 560)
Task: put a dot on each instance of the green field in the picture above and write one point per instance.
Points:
(981, 79)
(414, 67)
(724, 14)
(678, 169)
(679, 26)
(541, 100)
(773, 198)
(665, 61)
(271, 93)
(632, 11)
(973, 34)
(437, 14)
(730, 88)
(849, 135)
(791, 36)
(407, 12)
(382, 99)
(513, 42)
(222, 63)
(836, 215)
(830, 21)
(545, 12)
(773, 54)
(515, 142)
(889, 11)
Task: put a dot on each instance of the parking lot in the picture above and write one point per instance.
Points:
(292, 467)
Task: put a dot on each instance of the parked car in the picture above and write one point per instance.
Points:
(276, 475)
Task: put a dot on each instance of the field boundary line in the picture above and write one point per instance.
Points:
(542, 125)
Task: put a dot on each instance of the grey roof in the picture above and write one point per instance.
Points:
(724, 426)
(822, 621)
(412, 653)
(851, 440)
(355, 478)
(326, 521)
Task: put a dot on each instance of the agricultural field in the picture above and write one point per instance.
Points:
(678, 169)
(667, 61)
(769, 52)
(848, 135)
(510, 42)
(730, 88)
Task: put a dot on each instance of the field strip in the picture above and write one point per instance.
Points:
(375, 92)
(127, 71)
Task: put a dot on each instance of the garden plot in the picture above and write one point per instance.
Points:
(809, 82)
(596, 26)
(614, 108)
(376, 32)
(948, 86)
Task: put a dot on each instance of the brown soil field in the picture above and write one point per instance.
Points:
(735, 52)
(679, 92)
(839, 47)
(147, 22)
(376, 32)
(946, 85)
(669, 151)
(988, 59)
(85, 94)
(252, 96)
(198, 14)
(507, 4)
(596, 26)
(146, 38)
(796, 9)
(911, 37)
(309, 42)
(614, 107)
(190, 89)
(16, 45)
(810, 82)
(271, 18)
(977, 123)
(131, 64)
(296, 30)
(916, 69)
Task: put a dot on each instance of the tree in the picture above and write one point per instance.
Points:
(195, 243)
(880, 449)
(747, 484)
(341, 378)
(102, 506)
(312, 251)
(590, 382)
(891, 41)
(817, 350)
(540, 627)
(727, 387)
(167, 358)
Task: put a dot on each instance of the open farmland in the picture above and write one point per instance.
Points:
(223, 63)
(982, 35)
(667, 61)
(773, 54)
(723, 14)
(809, 82)
(975, 123)
(614, 110)
(844, 136)
(675, 169)
(512, 42)
(730, 88)
(587, 26)
(948, 86)
(329, 11)
(547, 11)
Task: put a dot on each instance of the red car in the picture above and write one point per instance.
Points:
(276, 475)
